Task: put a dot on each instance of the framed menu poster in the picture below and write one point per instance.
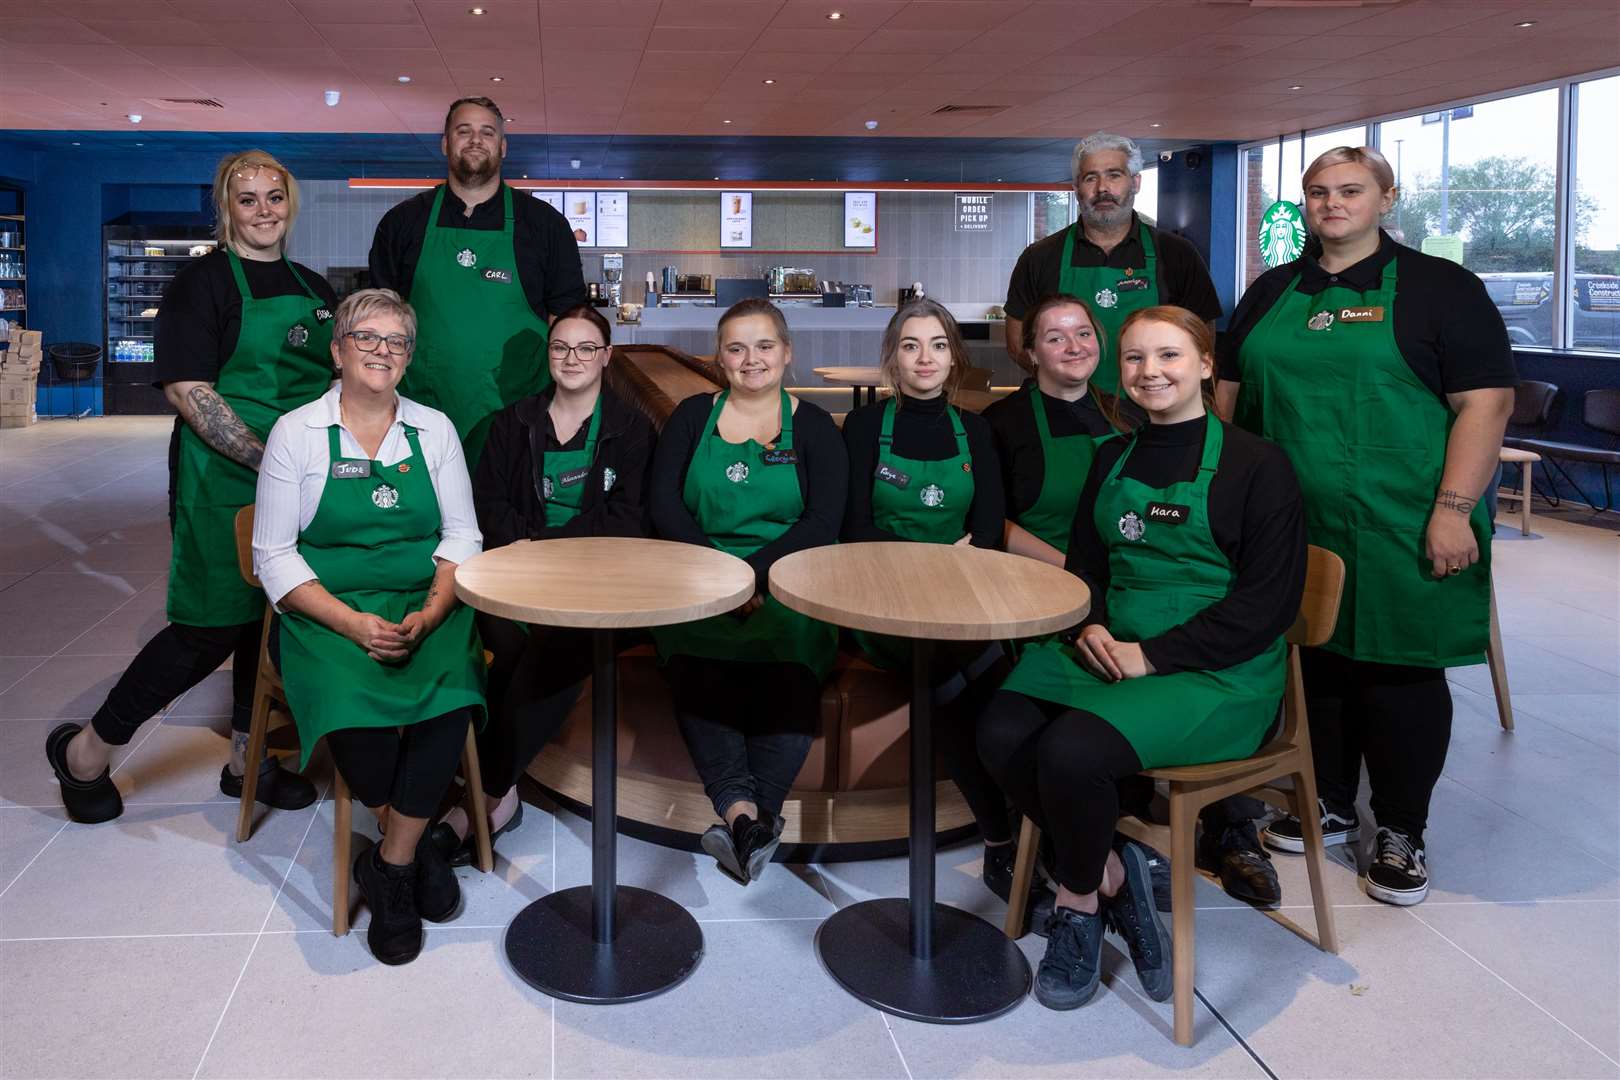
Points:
(860, 219)
(612, 219)
(553, 199)
(736, 219)
(579, 207)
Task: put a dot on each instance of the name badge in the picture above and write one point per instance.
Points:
(1361, 314)
(890, 475)
(323, 315)
(575, 476)
(781, 457)
(503, 276)
(351, 470)
(1168, 513)
(1131, 284)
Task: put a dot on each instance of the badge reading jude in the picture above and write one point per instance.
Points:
(933, 495)
(467, 257)
(385, 497)
(1131, 526)
(737, 472)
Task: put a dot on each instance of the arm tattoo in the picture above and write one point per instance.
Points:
(1454, 500)
(217, 424)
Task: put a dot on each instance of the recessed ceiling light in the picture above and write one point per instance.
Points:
(1296, 86)
(768, 82)
(497, 78)
(76, 144)
(402, 78)
(475, 11)
(1527, 24)
(1155, 125)
(835, 15)
(717, 178)
(725, 121)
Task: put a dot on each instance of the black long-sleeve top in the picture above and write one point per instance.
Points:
(507, 483)
(823, 471)
(1018, 441)
(922, 432)
(1257, 518)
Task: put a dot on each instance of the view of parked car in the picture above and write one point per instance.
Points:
(1525, 301)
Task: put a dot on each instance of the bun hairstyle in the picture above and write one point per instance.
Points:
(1190, 324)
(889, 363)
(1107, 404)
(1365, 156)
(248, 160)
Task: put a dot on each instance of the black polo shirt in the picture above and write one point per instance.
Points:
(1182, 277)
(1018, 441)
(547, 253)
(1446, 326)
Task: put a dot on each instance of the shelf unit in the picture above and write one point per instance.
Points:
(13, 262)
(140, 261)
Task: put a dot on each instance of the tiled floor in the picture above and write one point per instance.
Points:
(157, 946)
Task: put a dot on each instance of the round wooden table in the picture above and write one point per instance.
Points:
(917, 958)
(601, 943)
(858, 378)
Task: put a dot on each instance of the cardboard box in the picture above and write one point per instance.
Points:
(21, 420)
(18, 391)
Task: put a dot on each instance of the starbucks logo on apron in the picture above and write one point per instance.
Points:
(546, 488)
(467, 257)
(608, 478)
(1107, 298)
(1131, 526)
(1320, 321)
(737, 472)
(298, 335)
(933, 495)
(385, 497)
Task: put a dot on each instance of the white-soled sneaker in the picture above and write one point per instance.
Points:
(1398, 873)
(1287, 834)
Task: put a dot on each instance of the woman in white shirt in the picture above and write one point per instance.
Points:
(364, 510)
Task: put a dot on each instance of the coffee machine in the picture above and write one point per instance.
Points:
(613, 277)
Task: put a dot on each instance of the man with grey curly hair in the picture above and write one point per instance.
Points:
(1110, 258)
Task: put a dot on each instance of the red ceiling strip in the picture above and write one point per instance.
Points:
(712, 185)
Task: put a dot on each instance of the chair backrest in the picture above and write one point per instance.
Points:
(244, 545)
(1601, 410)
(1319, 604)
(1532, 406)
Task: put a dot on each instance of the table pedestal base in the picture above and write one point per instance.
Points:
(656, 945)
(973, 973)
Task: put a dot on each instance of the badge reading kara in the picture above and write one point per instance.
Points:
(385, 497)
(1169, 513)
(467, 257)
(737, 472)
(932, 496)
(1131, 526)
(298, 335)
(1320, 321)
(608, 478)
(1106, 298)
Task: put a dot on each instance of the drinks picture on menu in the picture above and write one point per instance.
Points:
(579, 207)
(612, 219)
(860, 219)
(736, 219)
(553, 199)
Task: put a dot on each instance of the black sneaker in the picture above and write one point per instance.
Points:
(1245, 869)
(1398, 873)
(718, 842)
(1287, 834)
(395, 933)
(1068, 974)
(1132, 914)
(756, 841)
(438, 893)
(1158, 869)
(278, 787)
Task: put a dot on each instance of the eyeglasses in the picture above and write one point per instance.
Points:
(585, 350)
(248, 170)
(368, 341)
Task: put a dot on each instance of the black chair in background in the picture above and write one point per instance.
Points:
(1600, 411)
(1533, 403)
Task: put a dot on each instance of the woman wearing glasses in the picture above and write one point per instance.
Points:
(568, 461)
(364, 512)
(243, 336)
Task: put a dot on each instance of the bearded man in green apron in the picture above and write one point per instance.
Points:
(1110, 257)
(242, 336)
(1191, 536)
(1387, 376)
(364, 511)
(485, 267)
(757, 474)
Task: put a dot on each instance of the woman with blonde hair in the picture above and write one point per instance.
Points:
(243, 336)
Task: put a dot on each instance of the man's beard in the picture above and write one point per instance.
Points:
(469, 174)
(1109, 214)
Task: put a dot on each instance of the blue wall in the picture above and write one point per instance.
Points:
(1198, 200)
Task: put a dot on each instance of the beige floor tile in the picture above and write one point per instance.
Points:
(126, 631)
(1535, 670)
(1594, 717)
(1598, 647)
(97, 590)
(25, 777)
(69, 687)
(45, 631)
(24, 832)
(13, 668)
(117, 556)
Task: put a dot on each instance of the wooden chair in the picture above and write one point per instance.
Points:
(1498, 665)
(270, 698)
(1193, 787)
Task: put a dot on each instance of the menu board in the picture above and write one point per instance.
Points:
(736, 219)
(860, 219)
(612, 219)
(553, 199)
(579, 207)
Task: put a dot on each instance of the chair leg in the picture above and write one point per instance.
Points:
(1029, 838)
(1498, 665)
(477, 811)
(1525, 483)
(258, 730)
(1303, 797)
(1183, 955)
(342, 830)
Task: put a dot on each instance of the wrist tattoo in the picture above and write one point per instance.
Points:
(1454, 500)
(217, 424)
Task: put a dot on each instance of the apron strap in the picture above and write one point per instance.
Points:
(886, 434)
(304, 284)
(506, 196)
(1214, 439)
(1068, 248)
(415, 443)
(720, 403)
(596, 426)
(334, 445)
(438, 205)
(239, 275)
(1150, 252)
(787, 421)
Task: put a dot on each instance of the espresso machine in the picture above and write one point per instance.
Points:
(613, 277)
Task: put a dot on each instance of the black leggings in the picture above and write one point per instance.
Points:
(1395, 718)
(406, 768)
(748, 726)
(534, 680)
(176, 659)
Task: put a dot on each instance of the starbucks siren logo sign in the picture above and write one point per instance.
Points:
(1282, 233)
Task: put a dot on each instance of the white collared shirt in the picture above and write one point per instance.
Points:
(297, 462)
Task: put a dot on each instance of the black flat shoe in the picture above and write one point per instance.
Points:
(757, 843)
(717, 841)
(277, 787)
(89, 802)
(466, 849)
(395, 933)
(1244, 867)
(438, 893)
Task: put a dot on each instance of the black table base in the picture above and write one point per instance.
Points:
(601, 943)
(915, 958)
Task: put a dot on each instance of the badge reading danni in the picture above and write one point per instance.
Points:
(1361, 314)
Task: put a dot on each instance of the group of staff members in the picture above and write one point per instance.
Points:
(1365, 388)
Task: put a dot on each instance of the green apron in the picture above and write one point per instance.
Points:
(1112, 293)
(743, 497)
(1065, 464)
(283, 359)
(1368, 442)
(479, 345)
(1160, 575)
(562, 485)
(371, 545)
(923, 501)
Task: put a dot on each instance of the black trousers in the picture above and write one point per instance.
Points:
(176, 659)
(536, 676)
(405, 768)
(748, 726)
(1397, 719)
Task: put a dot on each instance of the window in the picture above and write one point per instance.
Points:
(1595, 298)
(1049, 211)
(1147, 200)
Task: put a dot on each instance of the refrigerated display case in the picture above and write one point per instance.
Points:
(140, 262)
